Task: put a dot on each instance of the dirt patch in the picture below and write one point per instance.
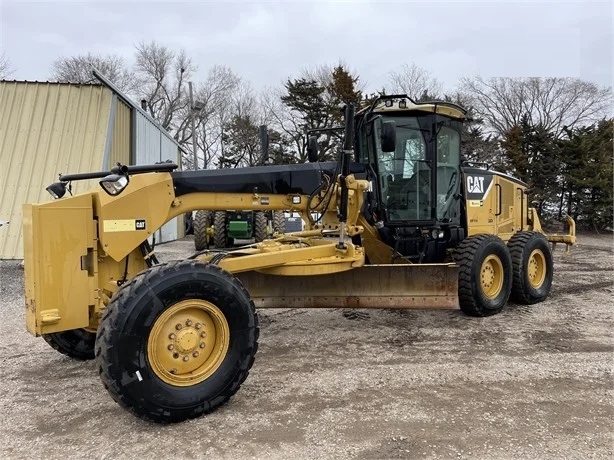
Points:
(531, 382)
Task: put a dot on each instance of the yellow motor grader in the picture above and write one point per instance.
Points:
(403, 222)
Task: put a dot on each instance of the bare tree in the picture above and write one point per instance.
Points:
(5, 66)
(285, 120)
(552, 103)
(416, 82)
(78, 69)
(214, 97)
(163, 76)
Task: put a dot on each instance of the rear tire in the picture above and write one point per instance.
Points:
(485, 275)
(76, 343)
(260, 224)
(177, 341)
(202, 222)
(532, 266)
(279, 222)
(188, 220)
(219, 229)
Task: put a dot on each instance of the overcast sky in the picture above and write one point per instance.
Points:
(266, 42)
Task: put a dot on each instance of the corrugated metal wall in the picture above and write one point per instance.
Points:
(120, 140)
(52, 128)
(152, 146)
(46, 129)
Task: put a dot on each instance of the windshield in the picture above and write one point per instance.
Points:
(406, 176)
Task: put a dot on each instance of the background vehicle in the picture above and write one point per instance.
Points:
(223, 227)
(404, 223)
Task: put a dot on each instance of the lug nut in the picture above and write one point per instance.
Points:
(170, 347)
(171, 336)
(178, 326)
(202, 345)
(198, 325)
(188, 322)
(175, 355)
(195, 354)
(173, 371)
(185, 358)
(203, 334)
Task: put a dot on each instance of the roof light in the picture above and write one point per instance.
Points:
(402, 104)
(388, 102)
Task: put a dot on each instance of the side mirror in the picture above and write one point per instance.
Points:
(312, 149)
(389, 136)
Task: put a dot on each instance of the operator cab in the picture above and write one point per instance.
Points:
(412, 152)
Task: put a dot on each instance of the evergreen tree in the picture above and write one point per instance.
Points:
(532, 155)
(306, 101)
(280, 148)
(318, 105)
(588, 173)
(343, 89)
(242, 147)
(241, 141)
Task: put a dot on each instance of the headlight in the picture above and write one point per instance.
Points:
(114, 184)
(437, 234)
(57, 190)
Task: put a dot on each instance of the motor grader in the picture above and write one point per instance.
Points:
(403, 222)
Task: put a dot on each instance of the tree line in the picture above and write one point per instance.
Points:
(555, 134)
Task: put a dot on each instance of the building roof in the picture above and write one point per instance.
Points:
(108, 83)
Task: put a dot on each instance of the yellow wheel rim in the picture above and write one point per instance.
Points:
(536, 268)
(491, 276)
(188, 342)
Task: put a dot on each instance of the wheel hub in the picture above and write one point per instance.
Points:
(536, 268)
(491, 276)
(188, 342)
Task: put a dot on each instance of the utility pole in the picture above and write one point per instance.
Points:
(193, 117)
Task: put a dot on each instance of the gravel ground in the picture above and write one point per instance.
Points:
(531, 383)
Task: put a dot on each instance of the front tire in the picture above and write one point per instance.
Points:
(485, 275)
(177, 341)
(76, 343)
(532, 266)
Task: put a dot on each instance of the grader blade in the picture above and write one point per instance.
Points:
(371, 286)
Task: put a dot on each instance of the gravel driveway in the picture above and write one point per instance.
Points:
(531, 383)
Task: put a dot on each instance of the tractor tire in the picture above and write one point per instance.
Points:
(532, 267)
(188, 220)
(177, 341)
(219, 229)
(485, 275)
(260, 224)
(279, 222)
(76, 343)
(202, 222)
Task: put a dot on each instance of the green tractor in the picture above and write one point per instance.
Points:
(224, 227)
